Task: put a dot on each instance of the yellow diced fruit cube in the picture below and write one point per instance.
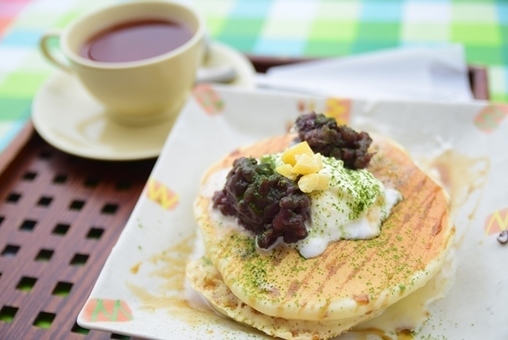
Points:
(308, 183)
(288, 156)
(305, 165)
(319, 161)
(323, 182)
(285, 170)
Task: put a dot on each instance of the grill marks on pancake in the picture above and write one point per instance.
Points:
(423, 196)
(426, 197)
(429, 201)
(364, 258)
(332, 265)
(368, 258)
(294, 286)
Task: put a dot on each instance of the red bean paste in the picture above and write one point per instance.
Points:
(324, 136)
(265, 202)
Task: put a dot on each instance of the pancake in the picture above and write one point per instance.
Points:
(405, 314)
(205, 278)
(353, 280)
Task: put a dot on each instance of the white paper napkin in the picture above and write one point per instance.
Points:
(436, 74)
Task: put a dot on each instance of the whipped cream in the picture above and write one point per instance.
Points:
(353, 207)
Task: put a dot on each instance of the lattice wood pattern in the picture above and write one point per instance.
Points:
(60, 216)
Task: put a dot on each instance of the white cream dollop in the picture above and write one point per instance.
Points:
(353, 207)
(336, 225)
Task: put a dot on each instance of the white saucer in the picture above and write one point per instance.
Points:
(68, 118)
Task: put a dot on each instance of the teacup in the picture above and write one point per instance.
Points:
(141, 89)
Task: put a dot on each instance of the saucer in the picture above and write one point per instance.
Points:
(70, 119)
(221, 54)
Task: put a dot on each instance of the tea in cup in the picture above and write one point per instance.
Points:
(138, 59)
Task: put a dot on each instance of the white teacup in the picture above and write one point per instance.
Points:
(134, 92)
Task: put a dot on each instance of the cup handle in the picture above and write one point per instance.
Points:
(48, 52)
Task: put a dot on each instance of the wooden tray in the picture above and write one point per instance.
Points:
(60, 215)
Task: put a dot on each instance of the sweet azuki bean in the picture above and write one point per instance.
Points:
(324, 136)
(265, 202)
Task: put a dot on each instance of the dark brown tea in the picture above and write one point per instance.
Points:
(136, 40)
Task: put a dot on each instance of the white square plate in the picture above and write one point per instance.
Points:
(139, 291)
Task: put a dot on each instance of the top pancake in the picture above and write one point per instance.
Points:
(352, 277)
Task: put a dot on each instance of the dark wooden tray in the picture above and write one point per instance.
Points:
(60, 215)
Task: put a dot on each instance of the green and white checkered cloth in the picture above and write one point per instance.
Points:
(296, 28)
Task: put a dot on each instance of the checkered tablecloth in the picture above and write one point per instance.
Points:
(299, 28)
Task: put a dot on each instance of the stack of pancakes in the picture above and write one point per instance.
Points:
(285, 295)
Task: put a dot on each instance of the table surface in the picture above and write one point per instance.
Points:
(294, 28)
(60, 215)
